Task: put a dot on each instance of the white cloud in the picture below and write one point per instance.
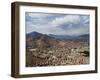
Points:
(37, 15)
(54, 26)
(45, 29)
(66, 19)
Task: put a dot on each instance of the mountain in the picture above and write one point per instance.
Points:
(67, 37)
(33, 34)
(39, 40)
(86, 36)
(62, 37)
(35, 39)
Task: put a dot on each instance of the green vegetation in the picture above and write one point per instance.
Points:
(86, 53)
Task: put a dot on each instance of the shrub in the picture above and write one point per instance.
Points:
(86, 53)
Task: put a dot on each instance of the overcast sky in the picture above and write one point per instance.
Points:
(58, 24)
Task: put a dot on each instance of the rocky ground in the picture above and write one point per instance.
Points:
(68, 53)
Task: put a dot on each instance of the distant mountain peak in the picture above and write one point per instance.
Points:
(33, 34)
(84, 35)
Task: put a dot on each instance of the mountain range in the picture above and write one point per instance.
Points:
(39, 40)
(60, 37)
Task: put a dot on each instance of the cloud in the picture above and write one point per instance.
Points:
(59, 24)
(66, 19)
(36, 15)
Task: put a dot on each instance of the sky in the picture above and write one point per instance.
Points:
(57, 24)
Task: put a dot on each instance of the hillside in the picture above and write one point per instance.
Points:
(47, 50)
